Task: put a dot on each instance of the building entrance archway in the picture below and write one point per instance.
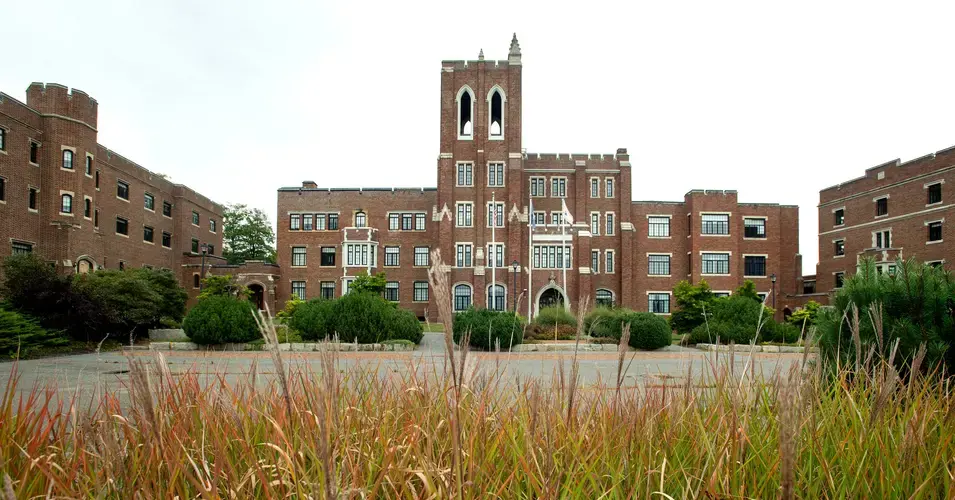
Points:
(257, 295)
(550, 296)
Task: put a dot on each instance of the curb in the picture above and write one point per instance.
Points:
(285, 347)
(774, 349)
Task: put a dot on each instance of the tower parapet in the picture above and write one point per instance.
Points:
(60, 100)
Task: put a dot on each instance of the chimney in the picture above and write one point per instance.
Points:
(309, 185)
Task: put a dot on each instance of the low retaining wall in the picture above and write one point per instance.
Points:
(758, 348)
(565, 348)
(167, 334)
(292, 347)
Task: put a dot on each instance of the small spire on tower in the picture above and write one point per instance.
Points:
(481, 55)
(514, 55)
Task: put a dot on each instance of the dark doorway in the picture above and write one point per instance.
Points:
(787, 313)
(551, 298)
(257, 296)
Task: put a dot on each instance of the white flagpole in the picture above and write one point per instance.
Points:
(563, 241)
(530, 255)
(494, 247)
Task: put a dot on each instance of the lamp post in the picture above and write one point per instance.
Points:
(515, 267)
(202, 273)
(773, 279)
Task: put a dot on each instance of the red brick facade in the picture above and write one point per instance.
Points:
(59, 125)
(481, 159)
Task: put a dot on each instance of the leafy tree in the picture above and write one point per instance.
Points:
(123, 301)
(173, 297)
(806, 315)
(222, 286)
(219, 319)
(748, 290)
(22, 334)
(247, 235)
(32, 286)
(366, 283)
(690, 300)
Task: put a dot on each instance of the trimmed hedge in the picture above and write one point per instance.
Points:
(604, 322)
(647, 330)
(488, 328)
(364, 317)
(548, 316)
(405, 326)
(314, 320)
(220, 319)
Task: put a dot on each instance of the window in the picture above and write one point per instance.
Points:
(327, 290)
(122, 226)
(462, 297)
(881, 207)
(391, 256)
(3, 139)
(97, 180)
(839, 279)
(294, 221)
(360, 255)
(608, 266)
(465, 106)
(122, 190)
(360, 219)
(540, 218)
(66, 204)
(96, 218)
(298, 289)
(89, 166)
(594, 223)
(195, 246)
(754, 228)
(3, 189)
(122, 266)
(393, 221)
(716, 263)
(594, 187)
(149, 202)
(557, 218)
(936, 263)
(421, 256)
(839, 247)
(306, 222)
(558, 187)
(754, 265)
(808, 286)
(420, 291)
(195, 219)
(464, 174)
(659, 227)
(497, 115)
(33, 200)
(609, 192)
(496, 296)
(34, 149)
(419, 222)
(935, 231)
(610, 224)
(211, 250)
(463, 255)
(659, 303)
(658, 265)
(537, 186)
(495, 174)
(882, 239)
(552, 256)
(716, 224)
(167, 209)
(67, 159)
(464, 214)
(333, 222)
(328, 257)
(166, 240)
(935, 193)
(406, 221)
(595, 261)
(299, 256)
(604, 298)
(319, 222)
(147, 234)
(346, 285)
(21, 248)
(495, 255)
(495, 214)
(391, 291)
(212, 225)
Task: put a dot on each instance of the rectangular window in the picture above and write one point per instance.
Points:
(33, 199)
(421, 256)
(420, 291)
(298, 256)
(558, 187)
(359, 254)
(211, 249)
(839, 279)
(419, 222)
(463, 255)
(495, 174)
(594, 187)
(464, 214)
(122, 190)
(3, 189)
(96, 218)
(393, 221)
(716, 263)
(149, 202)
(595, 223)
(21, 248)
(319, 222)
(97, 180)
(406, 220)
(3, 139)
(935, 193)
(537, 186)
(360, 219)
(328, 290)
(659, 227)
(608, 266)
(659, 303)
(122, 226)
(610, 223)
(882, 239)
(167, 209)
(881, 207)
(195, 246)
(391, 291)
(839, 247)
(328, 256)
(391, 256)
(298, 289)
(89, 166)
(346, 284)
(195, 218)
(557, 218)
(716, 224)
(464, 174)
(935, 231)
(754, 265)
(658, 265)
(212, 225)
(294, 221)
(166, 240)
(306, 222)
(595, 261)
(495, 255)
(34, 149)
(540, 218)
(808, 287)
(754, 228)
(147, 234)
(333, 222)
(552, 256)
(609, 193)
(495, 214)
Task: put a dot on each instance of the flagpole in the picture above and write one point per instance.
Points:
(530, 254)
(563, 242)
(494, 246)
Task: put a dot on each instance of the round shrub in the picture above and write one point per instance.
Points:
(647, 330)
(783, 333)
(405, 326)
(549, 316)
(604, 322)
(364, 317)
(550, 332)
(221, 319)
(488, 329)
(314, 320)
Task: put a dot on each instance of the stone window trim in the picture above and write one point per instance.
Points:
(418, 253)
(610, 221)
(164, 210)
(882, 233)
(118, 197)
(31, 189)
(876, 201)
(473, 256)
(89, 159)
(38, 145)
(538, 181)
(118, 218)
(148, 242)
(466, 176)
(72, 196)
(766, 259)
(16, 241)
(765, 220)
(85, 199)
(610, 256)
(500, 294)
(420, 288)
(195, 218)
(399, 213)
(458, 126)
(97, 173)
(666, 216)
(72, 151)
(595, 224)
(836, 240)
(146, 195)
(4, 138)
(670, 255)
(729, 259)
(729, 218)
(834, 274)
(610, 186)
(490, 94)
(669, 295)
(487, 179)
(928, 185)
(558, 178)
(163, 240)
(931, 222)
(392, 249)
(457, 222)
(595, 183)
(3, 190)
(304, 256)
(488, 215)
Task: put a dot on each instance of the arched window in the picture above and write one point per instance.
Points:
(195, 281)
(360, 219)
(465, 113)
(604, 298)
(66, 206)
(462, 297)
(497, 114)
(496, 297)
(67, 159)
(84, 266)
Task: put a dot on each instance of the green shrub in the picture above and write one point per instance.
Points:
(221, 319)
(549, 316)
(19, 333)
(363, 317)
(488, 328)
(405, 326)
(783, 333)
(314, 320)
(545, 332)
(647, 330)
(601, 322)
(730, 319)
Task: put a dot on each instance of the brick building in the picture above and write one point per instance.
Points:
(895, 210)
(83, 206)
(497, 217)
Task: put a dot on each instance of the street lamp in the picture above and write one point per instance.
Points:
(772, 278)
(202, 273)
(516, 268)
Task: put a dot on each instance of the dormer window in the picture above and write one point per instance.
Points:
(465, 113)
(497, 114)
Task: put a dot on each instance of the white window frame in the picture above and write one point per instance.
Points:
(489, 255)
(610, 261)
(147, 194)
(490, 166)
(72, 196)
(490, 93)
(927, 185)
(669, 302)
(542, 182)
(372, 254)
(928, 223)
(595, 259)
(610, 187)
(765, 266)
(594, 224)
(834, 210)
(729, 262)
(543, 218)
(882, 232)
(457, 248)
(834, 255)
(545, 249)
(669, 226)
(468, 216)
(669, 257)
(467, 173)
(595, 187)
(876, 201)
(489, 216)
(92, 208)
(558, 178)
(729, 219)
(90, 159)
(457, 113)
(610, 221)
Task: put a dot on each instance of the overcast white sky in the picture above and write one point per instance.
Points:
(239, 98)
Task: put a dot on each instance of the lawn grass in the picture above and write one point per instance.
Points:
(432, 327)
